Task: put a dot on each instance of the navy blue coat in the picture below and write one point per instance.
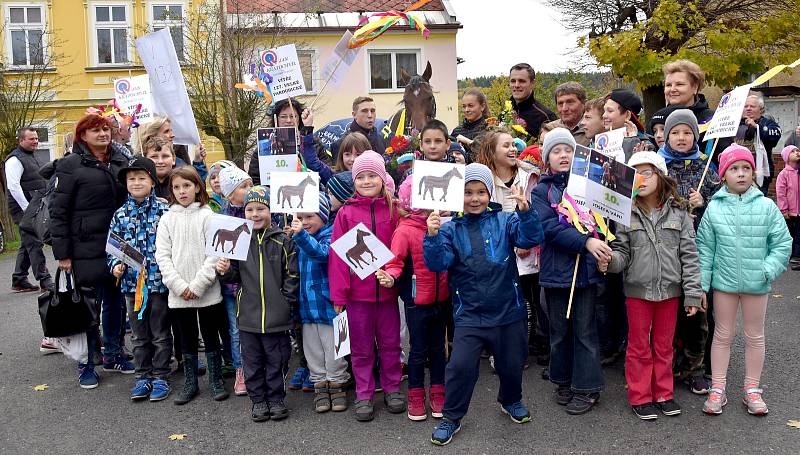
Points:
(562, 243)
(477, 251)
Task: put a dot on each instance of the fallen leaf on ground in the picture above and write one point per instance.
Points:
(793, 424)
(177, 437)
(777, 296)
(41, 387)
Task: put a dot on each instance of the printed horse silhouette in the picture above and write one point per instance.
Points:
(286, 193)
(342, 335)
(431, 182)
(354, 254)
(223, 236)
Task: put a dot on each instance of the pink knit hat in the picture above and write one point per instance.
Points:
(732, 154)
(785, 153)
(371, 161)
(404, 194)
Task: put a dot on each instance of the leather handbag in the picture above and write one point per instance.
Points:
(69, 312)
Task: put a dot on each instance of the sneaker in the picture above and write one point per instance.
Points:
(239, 389)
(48, 347)
(300, 376)
(395, 402)
(444, 432)
(160, 390)
(308, 386)
(646, 411)
(87, 377)
(118, 364)
(697, 384)
(278, 410)
(563, 395)
(416, 404)
(754, 402)
(260, 412)
(582, 403)
(437, 400)
(517, 412)
(141, 389)
(365, 410)
(669, 407)
(715, 401)
(24, 285)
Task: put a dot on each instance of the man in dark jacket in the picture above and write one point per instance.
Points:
(530, 113)
(364, 116)
(23, 184)
(769, 132)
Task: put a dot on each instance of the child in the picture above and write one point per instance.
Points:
(739, 212)
(787, 189)
(217, 200)
(657, 123)
(136, 222)
(269, 290)
(489, 311)
(592, 122)
(340, 188)
(160, 152)
(621, 110)
(189, 275)
(426, 298)
(435, 142)
(573, 341)
(659, 259)
(312, 236)
(373, 313)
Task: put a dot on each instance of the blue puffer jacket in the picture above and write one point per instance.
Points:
(477, 251)
(562, 243)
(743, 242)
(312, 260)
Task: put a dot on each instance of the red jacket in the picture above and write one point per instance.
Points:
(426, 287)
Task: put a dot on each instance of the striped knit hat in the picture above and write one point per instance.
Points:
(324, 206)
(370, 161)
(341, 186)
(480, 173)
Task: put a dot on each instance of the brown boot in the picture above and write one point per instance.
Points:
(322, 397)
(338, 397)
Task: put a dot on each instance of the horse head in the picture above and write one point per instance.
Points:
(418, 97)
(246, 228)
(361, 234)
(307, 181)
(454, 172)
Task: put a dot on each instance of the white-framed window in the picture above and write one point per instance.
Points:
(25, 34)
(385, 66)
(173, 16)
(112, 22)
(309, 65)
(45, 152)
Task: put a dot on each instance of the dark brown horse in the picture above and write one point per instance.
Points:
(418, 102)
(223, 235)
(359, 249)
(342, 335)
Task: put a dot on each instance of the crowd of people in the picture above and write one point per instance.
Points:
(662, 292)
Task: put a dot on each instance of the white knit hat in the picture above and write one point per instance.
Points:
(649, 158)
(230, 178)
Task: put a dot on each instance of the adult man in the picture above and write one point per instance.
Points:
(570, 103)
(769, 132)
(364, 117)
(23, 184)
(530, 114)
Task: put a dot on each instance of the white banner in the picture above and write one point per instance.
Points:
(340, 61)
(728, 114)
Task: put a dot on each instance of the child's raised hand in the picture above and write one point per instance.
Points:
(434, 223)
(384, 278)
(297, 226)
(118, 270)
(695, 199)
(599, 249)
(223, 264)
(518, 195)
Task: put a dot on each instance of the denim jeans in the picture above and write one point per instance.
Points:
(426, 327)
(112, 310)
(574, 347)
(229, 299)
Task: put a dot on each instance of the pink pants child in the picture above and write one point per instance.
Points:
(648, 360)
(372, 323)
(754, 309)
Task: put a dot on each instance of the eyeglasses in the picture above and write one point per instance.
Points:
(647, 173)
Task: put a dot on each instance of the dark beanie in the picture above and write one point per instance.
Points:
(138, 163)
(341, 186)
(660, 118)
(627, 99)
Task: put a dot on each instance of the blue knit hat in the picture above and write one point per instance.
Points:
(480, 173)
(341, 186)
(258, 193)
(324, 206)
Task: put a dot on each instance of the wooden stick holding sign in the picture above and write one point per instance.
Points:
(708, 163)
(572, 287)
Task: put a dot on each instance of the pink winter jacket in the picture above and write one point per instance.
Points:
(345, 285)
(787, 187)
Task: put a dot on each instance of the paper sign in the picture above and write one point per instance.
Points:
(610, 187)
(578, 178)
(228, 237)
(277, 151)
(362, 251)
(282, 65)
(120, 249)
(437, 186)
(130, 92)
(342, 58)
(728, 114)
(341, 335)
(293, 192)
(610, 143)
(167, 86)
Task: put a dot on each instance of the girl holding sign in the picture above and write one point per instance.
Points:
(372, 312)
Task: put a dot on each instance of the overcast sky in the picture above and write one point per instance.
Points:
(500, 33)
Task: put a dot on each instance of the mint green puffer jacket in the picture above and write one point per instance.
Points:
(743, 242)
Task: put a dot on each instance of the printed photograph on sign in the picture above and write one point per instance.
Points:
(362, 251)
(576, 185)
(610, 187)
(278, 141)
(438, 186)
(228, 237)
(341, 335)
(293, 192)
(120, 249)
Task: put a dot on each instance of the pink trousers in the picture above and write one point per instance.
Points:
(754, 310)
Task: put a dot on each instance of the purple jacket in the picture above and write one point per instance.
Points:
(345, 285)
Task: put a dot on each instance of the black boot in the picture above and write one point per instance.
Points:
(190, 388)
(214, 360)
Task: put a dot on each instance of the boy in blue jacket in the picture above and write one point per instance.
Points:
(477, 251)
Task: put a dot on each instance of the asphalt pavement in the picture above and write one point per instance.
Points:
(64, 419)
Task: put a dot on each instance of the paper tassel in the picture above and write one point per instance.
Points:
(368, 31)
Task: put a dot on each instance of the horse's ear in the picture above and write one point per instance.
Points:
(404, 77)
(428, 72)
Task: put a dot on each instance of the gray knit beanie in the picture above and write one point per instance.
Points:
(681, 117)
(479, 172)
(555, 137)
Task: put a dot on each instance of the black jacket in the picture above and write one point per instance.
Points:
(87, 193)
(534, 114)
(768, 130)
(469, 130)
(30, 181)
(374, 136)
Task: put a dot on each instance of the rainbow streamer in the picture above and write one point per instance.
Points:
(257, 85)
(140, 297)
(637, 182)
(368, 31)
(123, 118)
(586, 223)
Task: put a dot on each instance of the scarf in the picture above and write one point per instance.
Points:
(671, 155)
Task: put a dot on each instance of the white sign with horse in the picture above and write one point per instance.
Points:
(293, 192)
(228, 237)
(362, 251)
(438, 186)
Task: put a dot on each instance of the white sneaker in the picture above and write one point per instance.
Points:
(48, 347)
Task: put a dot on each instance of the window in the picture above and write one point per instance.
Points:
(111, 34)
(44, 154)
(171, 16)
(308, 61)
(385, 66)
(26, 41)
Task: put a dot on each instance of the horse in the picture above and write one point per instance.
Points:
(223, 235)
(342, 335)
(287, 192)
(354, 254)
(431, 182)
(419, 104)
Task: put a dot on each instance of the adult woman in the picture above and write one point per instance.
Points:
(621, 110)
(87, 194)
(476, 111)
(683, 80)
(162, 126)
